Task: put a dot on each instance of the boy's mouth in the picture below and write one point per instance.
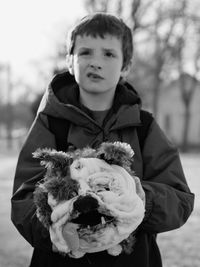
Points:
(94, 76)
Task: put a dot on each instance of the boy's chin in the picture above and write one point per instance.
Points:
(97, 90)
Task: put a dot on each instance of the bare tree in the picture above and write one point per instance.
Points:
(157, 22)
(147, 18)
(96, 6)
(161, 49)
(9, 109)
(187, 83)
(164, 27)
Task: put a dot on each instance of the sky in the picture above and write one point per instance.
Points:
(29, 29)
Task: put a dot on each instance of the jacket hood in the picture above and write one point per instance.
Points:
(61, 99)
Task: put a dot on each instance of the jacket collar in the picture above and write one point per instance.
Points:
(62, 100)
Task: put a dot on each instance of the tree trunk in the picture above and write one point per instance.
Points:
(157, 81)
(186, 127)
(9, 111)
(156, 91)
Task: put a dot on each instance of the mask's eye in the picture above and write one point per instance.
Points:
(101, 188)
(73, 194)
(106, 188)
(78, 165)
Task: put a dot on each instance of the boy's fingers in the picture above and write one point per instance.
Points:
(71, 237)
(60, 211)
(139, 189)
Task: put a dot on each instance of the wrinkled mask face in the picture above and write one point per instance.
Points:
(87, 199)
(106, 209)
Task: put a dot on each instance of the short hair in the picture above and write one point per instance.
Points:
(98, 25)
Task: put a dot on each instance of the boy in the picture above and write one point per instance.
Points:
(95, 105)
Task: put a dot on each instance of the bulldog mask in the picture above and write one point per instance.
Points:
(88, 199)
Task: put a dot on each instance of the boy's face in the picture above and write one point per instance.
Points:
(97, 63)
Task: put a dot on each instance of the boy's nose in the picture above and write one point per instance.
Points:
(95, 66)
(95, 63)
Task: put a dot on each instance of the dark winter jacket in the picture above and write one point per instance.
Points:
(169, 201)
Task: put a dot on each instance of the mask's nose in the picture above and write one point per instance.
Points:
(85, 204)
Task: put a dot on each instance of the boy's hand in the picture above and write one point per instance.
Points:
(64, 236)
(139, 189)
(59, 218)
(65, 239)
(71, 237)
(56, 237)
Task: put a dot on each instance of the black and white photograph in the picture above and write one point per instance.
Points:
(100, 133)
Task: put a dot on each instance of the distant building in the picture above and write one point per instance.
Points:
(171, 112)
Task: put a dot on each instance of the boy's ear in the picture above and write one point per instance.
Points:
(125, 71)
(69, 60)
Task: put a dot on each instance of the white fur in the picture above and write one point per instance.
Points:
(122, 202)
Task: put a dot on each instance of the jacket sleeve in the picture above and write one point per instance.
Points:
(28, 173)
(169, 201)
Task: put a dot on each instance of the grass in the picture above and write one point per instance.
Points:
(179, 248)
(14, 250)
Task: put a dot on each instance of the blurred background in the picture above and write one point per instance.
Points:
(165, 72)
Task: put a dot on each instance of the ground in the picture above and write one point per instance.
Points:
(179, 248)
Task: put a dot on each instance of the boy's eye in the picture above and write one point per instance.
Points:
(109, 54)
(84, 53)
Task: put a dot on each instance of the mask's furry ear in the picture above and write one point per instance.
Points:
(54, 161)
(117, 153)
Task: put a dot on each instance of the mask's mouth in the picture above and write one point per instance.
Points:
(93, 220)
